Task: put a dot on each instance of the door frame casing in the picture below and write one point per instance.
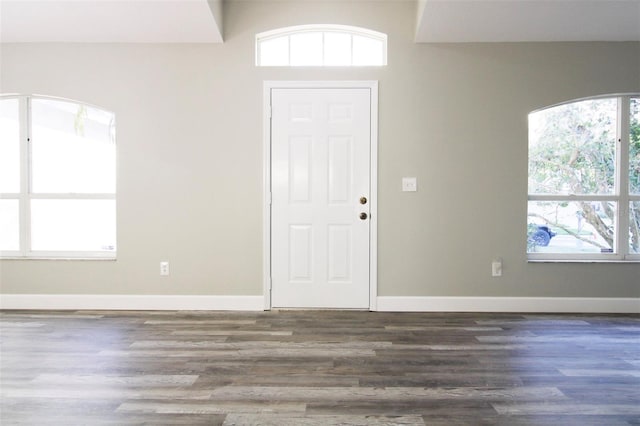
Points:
(268, 86)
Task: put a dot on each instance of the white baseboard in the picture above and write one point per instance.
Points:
(131, 302)
(384, 304)
(510, 304)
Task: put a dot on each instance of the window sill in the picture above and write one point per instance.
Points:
(60, 258)
(603, 261)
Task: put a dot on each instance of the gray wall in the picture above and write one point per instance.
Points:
(189, 133)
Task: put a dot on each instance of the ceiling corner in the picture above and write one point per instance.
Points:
(217, 10)
(421, 6)
(449, 21)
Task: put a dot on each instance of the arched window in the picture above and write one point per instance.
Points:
(57, 179)
(321, 45)
(584, 180)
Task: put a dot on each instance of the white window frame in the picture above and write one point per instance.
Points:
(300, 29)
(622, 193)
(25, 196)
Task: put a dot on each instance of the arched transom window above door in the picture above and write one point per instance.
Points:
(321, 45)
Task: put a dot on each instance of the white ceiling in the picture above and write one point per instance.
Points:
(528, 20)
(119, 21)
(200, 21)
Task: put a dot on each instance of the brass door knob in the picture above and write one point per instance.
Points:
(363, 216)
(363, 200)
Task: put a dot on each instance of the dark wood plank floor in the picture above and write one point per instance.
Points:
(318, 368)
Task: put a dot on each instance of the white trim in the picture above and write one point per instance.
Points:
(572, 197)
(266, 204)
(373, 204)
(384, 304)
(510, 304)
(588, 98)
(623, 176)
(296, 29)
(321, 84)
(372, 85)
(131, 302)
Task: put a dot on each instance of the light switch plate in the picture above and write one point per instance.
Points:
(496, 267)
(409, 184)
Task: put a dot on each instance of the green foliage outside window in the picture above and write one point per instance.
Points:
(572, 151)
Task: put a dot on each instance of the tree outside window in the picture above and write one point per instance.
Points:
(584, 180)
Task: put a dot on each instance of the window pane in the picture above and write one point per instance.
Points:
(73, 148)
(367, 51)
(73, 225)
(319, 45)
(570, 227)
(634, 148)
(337, 49)
(9, 146)
(274, 52)
(306, 49)
(634, 227)
(9, 225)
(572, 148)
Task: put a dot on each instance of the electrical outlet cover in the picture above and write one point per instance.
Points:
(164, 269)
(409, 184)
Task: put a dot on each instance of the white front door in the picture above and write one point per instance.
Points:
(320, 184)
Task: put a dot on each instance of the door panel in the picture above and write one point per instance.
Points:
(320, 167)
(300, 253)
(300, 169)
(340, 168)
(340, 252)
